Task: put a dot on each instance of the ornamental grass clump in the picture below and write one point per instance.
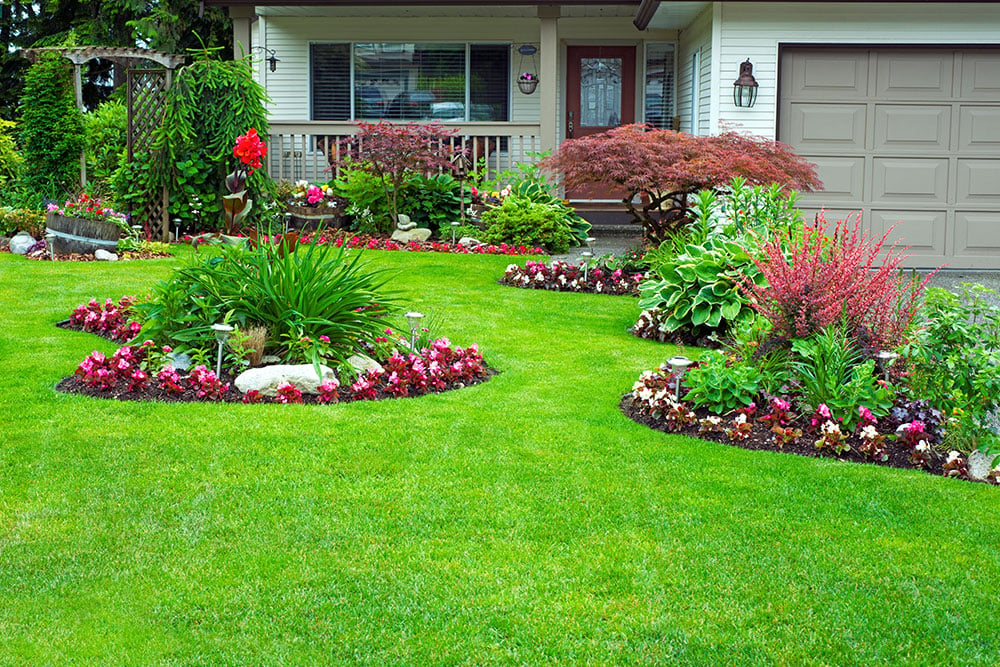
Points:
(812, 281)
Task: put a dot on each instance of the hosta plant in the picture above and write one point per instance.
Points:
(698, 290)
(721, 383)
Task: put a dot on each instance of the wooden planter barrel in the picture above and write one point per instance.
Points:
(76, 235)
(308, 217)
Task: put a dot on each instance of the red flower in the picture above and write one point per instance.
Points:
(250, 149)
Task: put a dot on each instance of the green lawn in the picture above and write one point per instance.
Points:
(524, 520)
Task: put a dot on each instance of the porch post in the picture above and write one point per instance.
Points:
(242, 16)
(549, 76)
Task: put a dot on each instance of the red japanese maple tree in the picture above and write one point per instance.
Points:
(391, 151)
(660, 168)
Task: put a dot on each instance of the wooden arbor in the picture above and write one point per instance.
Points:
(148, 76)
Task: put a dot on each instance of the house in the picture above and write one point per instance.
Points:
(898, 103)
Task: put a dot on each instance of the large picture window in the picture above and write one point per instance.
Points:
(397, 81)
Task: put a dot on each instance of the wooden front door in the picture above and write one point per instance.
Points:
(600, 95)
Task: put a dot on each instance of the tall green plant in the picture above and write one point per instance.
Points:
(106, 133)
(51, 128)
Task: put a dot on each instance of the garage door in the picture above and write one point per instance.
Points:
(909, 136)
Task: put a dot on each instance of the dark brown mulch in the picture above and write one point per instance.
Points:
(761, 439)
(77, 257)
(682, 338)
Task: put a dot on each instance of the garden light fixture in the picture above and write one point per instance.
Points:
(590, 243)
(745, 87)
(288, 222)
(678, 366)
(885, 359)
(50, 243)
(586, 256)
(222, 332)
(454, 228)
(177, 230)
(413, 319)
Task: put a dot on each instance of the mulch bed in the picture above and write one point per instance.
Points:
(43, 256)
(761, 439)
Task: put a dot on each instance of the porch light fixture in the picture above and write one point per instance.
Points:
(222, 332)
(745, 87)
(272, 59)
(678, 366)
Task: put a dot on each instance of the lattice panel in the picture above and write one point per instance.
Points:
(146, 97)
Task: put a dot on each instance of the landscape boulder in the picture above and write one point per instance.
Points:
(267, 379)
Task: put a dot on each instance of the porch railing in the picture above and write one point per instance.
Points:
(310, 150)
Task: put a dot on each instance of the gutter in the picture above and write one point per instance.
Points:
(645, 13)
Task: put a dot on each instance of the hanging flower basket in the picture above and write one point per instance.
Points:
(527, 82)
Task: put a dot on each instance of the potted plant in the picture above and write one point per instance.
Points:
(84, 225)
(527, 82)
(314, 205)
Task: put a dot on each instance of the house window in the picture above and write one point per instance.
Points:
(659, 87)
(396, 81)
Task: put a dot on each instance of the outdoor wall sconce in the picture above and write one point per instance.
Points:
(745, 87)
(272, 59)
(527, 80)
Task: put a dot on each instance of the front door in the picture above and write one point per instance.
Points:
(600, 95)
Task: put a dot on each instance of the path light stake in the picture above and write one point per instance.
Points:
(454, 228)
(678, 366)
(222, 332)
(587, 256)
(50, 243)
(591, 241)
(177, 230)
(413, 319)
(885, 359)
(288, 222)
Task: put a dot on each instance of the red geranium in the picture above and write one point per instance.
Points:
(250, 149)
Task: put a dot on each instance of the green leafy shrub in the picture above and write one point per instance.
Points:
(106, 133)
(521, 221)
(317, 290)
(10, 160)
(27, 220)
(954, 356)
(830, 368)
(364, 191)
(432, 201)
(722, 383)
(698, 290)
(51, 128)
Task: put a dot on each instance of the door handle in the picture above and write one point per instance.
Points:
(569, 126)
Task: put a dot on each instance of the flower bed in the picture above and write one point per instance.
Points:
(562, 276)
(650, 326)
(896, 440)
(141, 372)
(372, 242)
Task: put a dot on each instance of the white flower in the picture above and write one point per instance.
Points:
(922, 446)
(740, 419)
(302, 183)
(525, 280)
(539, 278)
(830, 428)
(714, 420)
(599, 286)
(511, 267)
(869, 432)
(562, 279)
(953, 456)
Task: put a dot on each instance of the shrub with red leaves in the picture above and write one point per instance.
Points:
(814, 280)
(661, 168)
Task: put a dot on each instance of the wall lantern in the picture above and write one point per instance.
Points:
(745, 87)
(272, 59)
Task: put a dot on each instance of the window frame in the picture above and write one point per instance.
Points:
(352, 44)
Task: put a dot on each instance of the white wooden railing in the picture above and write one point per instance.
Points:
(310, 150)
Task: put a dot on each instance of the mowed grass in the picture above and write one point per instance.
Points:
(521, 521)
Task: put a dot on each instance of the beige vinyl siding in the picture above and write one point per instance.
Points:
(696, 38)
(756, 29)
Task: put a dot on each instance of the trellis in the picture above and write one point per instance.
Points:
(146, 89)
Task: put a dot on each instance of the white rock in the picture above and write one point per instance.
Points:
(979, 464)
(21, 242)
(403, 222)
(420, 234)
(469, 242)
(267, 378)
(362, 364)
(104, 256)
